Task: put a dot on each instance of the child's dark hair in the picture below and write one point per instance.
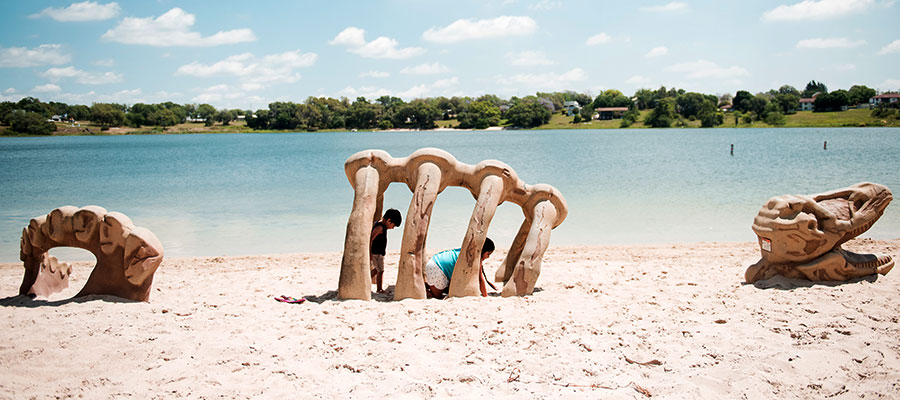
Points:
(393, 216)
(488, 245)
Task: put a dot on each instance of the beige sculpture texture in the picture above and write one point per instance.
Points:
(427, 172)
(127, 256)
(801, 236)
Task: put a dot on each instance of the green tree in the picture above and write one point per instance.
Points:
(206, 111)
(163, 117)
(107, 114)
(860, 94)
(833, 101)
(788, 103)
(528, 113)
(689, 104)
(479, 115)
(80, 112)
(418, 114)
(663, 115)
(741, 101)
(788, 89)
(709, 115)
(812, 88)
(645, 98)
(775, 118)
(225, 116)
(611, 98)
(30, 123)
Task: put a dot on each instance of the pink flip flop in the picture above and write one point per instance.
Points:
(291, 300)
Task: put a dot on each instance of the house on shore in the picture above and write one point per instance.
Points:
(610, 112)
(885, 98)
(808, 103)
(572, 108)
(725, 108)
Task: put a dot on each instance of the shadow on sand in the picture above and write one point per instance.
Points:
(782, 283)
(386, 297)
(31, 302)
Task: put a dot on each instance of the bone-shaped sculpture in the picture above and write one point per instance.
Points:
(801, 236)
(427, 172)
(127, 256)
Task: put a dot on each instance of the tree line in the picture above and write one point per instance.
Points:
(668, 107)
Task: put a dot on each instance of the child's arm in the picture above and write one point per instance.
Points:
(481, 282)
(375, 232)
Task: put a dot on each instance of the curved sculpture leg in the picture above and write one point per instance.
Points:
(410, 276)
(528, 267)
(355, 281)
(515, 251)
(464, 281)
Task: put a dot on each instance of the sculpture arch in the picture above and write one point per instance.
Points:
(127, 256)
(427, 172)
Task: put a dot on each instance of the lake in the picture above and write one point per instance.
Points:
(243, 194)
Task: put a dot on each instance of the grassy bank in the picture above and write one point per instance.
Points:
(802, 119)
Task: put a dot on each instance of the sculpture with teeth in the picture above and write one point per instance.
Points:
(127, 256)
(427, 172)
(801, 236)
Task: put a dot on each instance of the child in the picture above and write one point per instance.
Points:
(378, 243)
(439, 270)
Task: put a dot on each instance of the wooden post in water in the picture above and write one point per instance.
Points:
(825, 146)
(732, 149)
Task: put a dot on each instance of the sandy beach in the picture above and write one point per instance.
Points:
(631, 322)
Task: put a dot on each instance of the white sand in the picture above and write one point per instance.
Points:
(212, 329)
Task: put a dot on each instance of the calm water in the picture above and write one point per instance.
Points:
(239, 194)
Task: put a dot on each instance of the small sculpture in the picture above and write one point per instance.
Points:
(801, 236)
(427, 172)
(127, 256)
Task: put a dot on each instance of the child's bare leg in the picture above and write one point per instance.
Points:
(378, 281)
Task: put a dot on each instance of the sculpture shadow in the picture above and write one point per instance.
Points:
(781, 283)
(26, 301)
(386, 297)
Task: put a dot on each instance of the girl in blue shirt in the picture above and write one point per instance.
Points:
(439, 271)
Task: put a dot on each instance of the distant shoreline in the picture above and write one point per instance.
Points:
(854, 118)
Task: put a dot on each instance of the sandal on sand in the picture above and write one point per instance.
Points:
(287, 299)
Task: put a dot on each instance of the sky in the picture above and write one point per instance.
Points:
(245, 55)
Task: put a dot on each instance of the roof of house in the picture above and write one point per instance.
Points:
(888, 96)
(808, 100)
(612, 109)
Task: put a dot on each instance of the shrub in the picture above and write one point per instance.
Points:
(30, 123)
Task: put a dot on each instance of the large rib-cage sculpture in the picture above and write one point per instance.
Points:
(427, 172)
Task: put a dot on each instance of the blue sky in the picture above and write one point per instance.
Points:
(246, 54)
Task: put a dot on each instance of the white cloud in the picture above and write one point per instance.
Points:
(172, 29)
(706, 69)
(816, 10)
(892, 47)
(369, 92)
(109, 62)
(468, 29)
(46, 88)
(846, 67)
(439, 87)
(279, 67)
(657, 52)
(45, 54)
(829, 43)
(638, 80)
(9, 91)
(669, 7)
(598, 39)
(426, 69)
(529, 58)
(549, 81)
(890, 84)
(83, 77)
(383, 47)
(84, 11)
(544, 5)
(375, 74)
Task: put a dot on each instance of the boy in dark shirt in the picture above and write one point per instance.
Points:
(378, 243)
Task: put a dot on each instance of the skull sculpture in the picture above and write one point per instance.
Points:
(801, 236)
(127, 256)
